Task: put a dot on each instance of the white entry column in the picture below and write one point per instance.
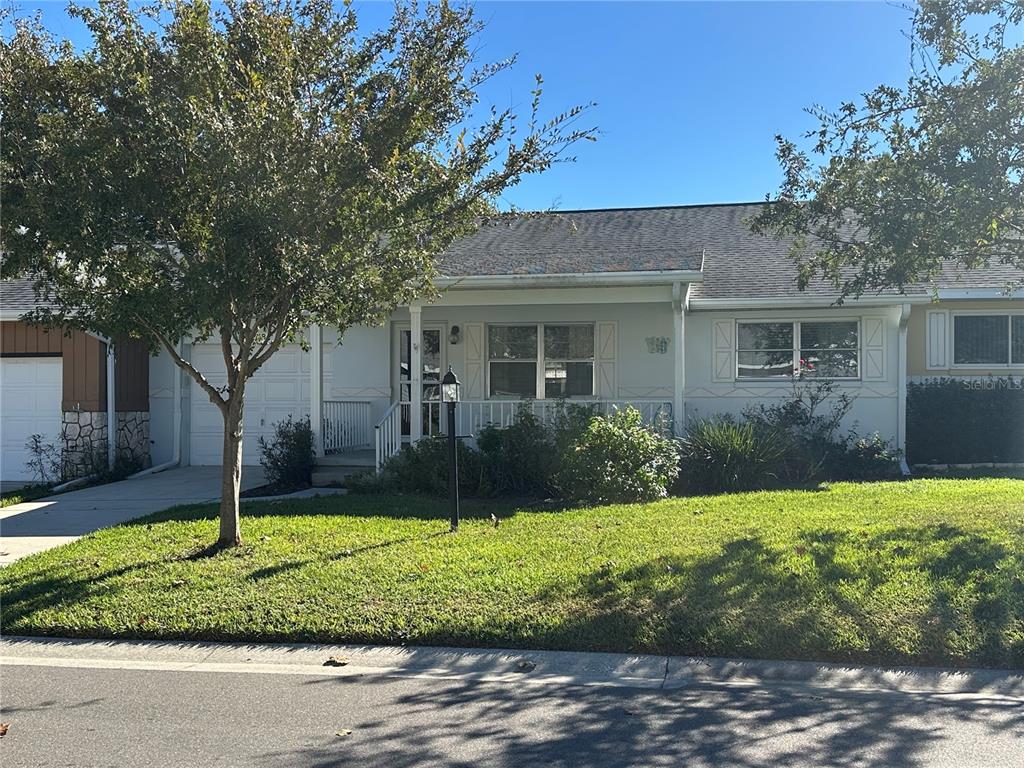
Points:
(316, 388)
(680, 300)
(415, 372)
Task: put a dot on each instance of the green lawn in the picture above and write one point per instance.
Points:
(925, 571)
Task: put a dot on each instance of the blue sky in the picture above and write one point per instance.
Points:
(689, 95)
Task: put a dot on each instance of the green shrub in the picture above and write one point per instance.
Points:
(867, 458)
(423, 468)
(367, 481)
(287, 458)
(519, 459)
(962, 421)
(721, 454)
(618, 459)
(813, 448)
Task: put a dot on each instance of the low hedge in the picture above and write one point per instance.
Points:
(965, 421)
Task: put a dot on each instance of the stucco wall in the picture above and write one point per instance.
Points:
(918, 337)
(875, 406)
(362, 365)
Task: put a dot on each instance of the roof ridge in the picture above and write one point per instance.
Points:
(649, 207)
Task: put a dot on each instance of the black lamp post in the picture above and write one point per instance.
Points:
(450, 393)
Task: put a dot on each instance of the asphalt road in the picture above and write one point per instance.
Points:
(72, 716)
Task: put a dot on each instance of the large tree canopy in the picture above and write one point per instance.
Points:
(907, 178)
(242, 173)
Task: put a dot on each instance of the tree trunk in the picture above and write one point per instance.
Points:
(231, 474)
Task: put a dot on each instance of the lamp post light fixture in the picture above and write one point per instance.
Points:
(450, 394)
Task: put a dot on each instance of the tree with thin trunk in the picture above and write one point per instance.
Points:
(907, 181)
(239, 174)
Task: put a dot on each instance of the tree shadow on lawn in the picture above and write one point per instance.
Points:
(464, 723)
(838, 595)
(397, 506)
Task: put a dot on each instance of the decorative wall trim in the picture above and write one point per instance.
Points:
(860, 390)
(607, 377)
(352, 392)
(646, 392)
(723, 354)
(937, 339)
(873, 367)
(473, 335)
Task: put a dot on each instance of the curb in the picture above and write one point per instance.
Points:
(502, 665)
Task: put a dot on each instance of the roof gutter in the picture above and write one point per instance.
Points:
(805, 302)
(979, 293)
(571, 279)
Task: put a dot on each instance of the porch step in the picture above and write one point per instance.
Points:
(323, 476)
(361, 458)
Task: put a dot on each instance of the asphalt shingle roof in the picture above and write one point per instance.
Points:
(621, 240)
(17, 295)
(737, 263)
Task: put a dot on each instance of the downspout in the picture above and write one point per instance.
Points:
(111, 409)
(176, 449)
(901, 391)
(680, 307)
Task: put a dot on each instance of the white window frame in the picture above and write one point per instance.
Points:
(797, 344)
(1008, 314)
(540, 360)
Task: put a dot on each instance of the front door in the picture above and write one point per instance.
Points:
(432, 354)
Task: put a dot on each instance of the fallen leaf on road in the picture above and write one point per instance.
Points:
(336, 661)
(343, 732)
(525, 666)
(3, 729)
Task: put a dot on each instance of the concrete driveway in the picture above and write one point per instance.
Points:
(35, 526)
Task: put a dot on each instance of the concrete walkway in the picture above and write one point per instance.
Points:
(35, 526)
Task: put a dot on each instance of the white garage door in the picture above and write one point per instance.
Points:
(279, 389)
(30, 395)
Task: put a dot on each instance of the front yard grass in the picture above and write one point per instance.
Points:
(923, 572)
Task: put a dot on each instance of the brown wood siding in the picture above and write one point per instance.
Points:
(17, 338)
(85, 386)
(131, 376)
(85, 365)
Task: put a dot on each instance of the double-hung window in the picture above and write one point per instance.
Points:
(821, 348)
(542, 360)
(980, 339)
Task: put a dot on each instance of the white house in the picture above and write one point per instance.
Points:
(680, 311)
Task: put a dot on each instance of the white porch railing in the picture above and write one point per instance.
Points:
(347, 425)
(387, 435)
(473, 415)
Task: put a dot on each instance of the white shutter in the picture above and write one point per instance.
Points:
(873, 348)
(723, 350)
(473, 334)
(607, 338)
(937, 342)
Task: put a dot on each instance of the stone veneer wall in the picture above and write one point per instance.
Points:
(84, 441)
(133, 438)
(84, 438)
